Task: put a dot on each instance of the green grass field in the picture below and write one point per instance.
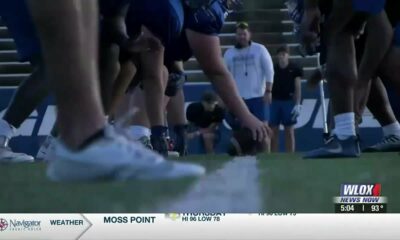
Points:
(272, 183)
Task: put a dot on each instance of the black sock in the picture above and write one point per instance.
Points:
(96, 136)
(159, 131)
(180, 133)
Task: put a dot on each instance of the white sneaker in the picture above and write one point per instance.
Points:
(114, 157)
(174, 154)
(8, 156)
(46, 149)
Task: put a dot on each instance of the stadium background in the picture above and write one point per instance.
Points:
(267, 183)
(270, 26)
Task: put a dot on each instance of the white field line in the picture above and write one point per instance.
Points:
(232, 189)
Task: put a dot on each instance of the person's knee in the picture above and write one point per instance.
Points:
(175, 83)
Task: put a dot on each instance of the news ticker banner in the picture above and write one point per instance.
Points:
(200, 226)
(360, 198)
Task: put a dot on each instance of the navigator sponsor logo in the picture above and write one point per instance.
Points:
(3, 224)
(19, 225)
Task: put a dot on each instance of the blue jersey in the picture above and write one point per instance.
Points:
(208, 19)
(164, 18)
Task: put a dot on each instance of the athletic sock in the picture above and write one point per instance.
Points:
(159, 139)
(138, 132)
(159, 131)
(391, 129)
(96, 136)
(180, 133)
(345, 125)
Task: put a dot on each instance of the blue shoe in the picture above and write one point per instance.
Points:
(336, 148)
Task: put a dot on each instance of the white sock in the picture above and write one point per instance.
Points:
(138, 132)
(391, 129)
(6, 130)
(345, 125)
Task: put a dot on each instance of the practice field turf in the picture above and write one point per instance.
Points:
(268, 183)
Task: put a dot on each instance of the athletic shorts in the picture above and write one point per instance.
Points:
(178, 51)
(369, 6)
(396, 37)
(256, 106)
(281, 113)
(207, 20)
(164, 18)
(16, 16)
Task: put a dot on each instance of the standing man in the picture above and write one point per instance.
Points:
(286, 100)
(252, 68)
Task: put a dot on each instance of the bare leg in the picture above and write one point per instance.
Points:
(154, 88)
(290, 141)
(177, 119)
(208, 139)
(377, 45)
(125, 77)
(390, 68)
(275, 139)
(109, 68)
(342, 77)
(72, 61)
(379, 105)
(138, 102)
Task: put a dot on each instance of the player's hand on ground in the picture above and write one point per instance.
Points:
(259, 130)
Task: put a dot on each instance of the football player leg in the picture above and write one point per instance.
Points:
(379, 105)
(86, 150)
(176, 106)
(341, 76)
(389, 71)
(152, 62)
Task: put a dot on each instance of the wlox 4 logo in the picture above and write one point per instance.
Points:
(360, 189)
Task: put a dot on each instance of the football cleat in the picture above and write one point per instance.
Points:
(336, 148)
(388, 144)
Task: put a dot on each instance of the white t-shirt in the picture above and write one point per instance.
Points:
(252, 68)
